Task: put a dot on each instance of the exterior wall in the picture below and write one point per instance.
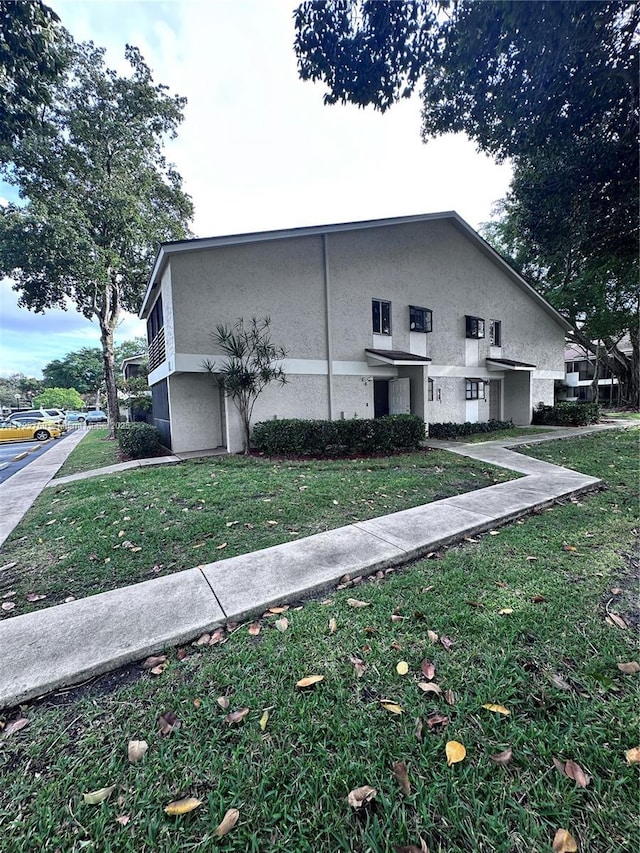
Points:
(196, 417)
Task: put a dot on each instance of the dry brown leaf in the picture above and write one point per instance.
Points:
(575, 772)
(359, 797)
(223, 701)
(333, 626)
(136, 750)
(446, 642)
(433, 636)
(430, 687)
(184, 806)
(359, 665)
(428, 669)
(236, 716)
(390, 706)
(227, 823)
(402, 667)
(354, 602)
(633, 755)
(629, 668)
(282, 624)
(15, 726)
(455, 752)
(168, 722)
(153, 661)
(449, 697)
(564, 842)
(437, 720)
(254, 629)
(502, 758)
(401, 774)
(264, 719)
(497, 709)
(93, 798)
(309, 681)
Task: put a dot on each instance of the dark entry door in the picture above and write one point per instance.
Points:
(380, 397)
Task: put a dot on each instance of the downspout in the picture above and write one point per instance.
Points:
(327, 306)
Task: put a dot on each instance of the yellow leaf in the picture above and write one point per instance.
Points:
(309, 680)
(402, 667)
(505, 611)
(633, 755)
(455, 752)
(99, 796)
(263, 720)
(497, 709)
(564, 842)
(392, 707)
(184, 806)
(228, 822)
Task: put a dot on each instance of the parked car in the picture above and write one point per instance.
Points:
(34, 415)
(95, 417)
(12, 430)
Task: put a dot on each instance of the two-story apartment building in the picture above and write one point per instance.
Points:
(413, 314)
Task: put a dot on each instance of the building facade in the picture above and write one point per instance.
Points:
(414, 314)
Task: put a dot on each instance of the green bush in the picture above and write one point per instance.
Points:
(138, 440)
(451, 430)
(567, 414)
(338, 438)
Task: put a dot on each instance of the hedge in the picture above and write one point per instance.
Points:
(294, 437)
(138, 440)
(451, 430)
(567, 414)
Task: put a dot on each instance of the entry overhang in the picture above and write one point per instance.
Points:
(509, 364)
(396, 357)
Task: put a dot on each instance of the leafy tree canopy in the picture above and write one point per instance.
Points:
(59, 398)
(99, 195)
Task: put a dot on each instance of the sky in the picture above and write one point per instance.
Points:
(258, 150)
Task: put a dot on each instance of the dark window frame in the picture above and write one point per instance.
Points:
(475, 327)
(495, 333)
(420, 319)
(383, 307)
(475, 389)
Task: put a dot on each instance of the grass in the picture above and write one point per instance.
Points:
(109, 531)
(553, 664)
(94, 451)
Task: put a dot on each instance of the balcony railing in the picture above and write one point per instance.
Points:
(157, 352)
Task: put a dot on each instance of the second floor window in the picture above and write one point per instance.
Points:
(419, 319)
(495, 333)
(381, 314)
(475, 327)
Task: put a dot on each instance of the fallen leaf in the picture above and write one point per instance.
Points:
(15, 725)
(359, 665)
(564, 842)
(633, 755)
(309, 680)
(428, 669)
(502, 758)
(433, 636)
(168, 722)
(227, 823)
(390, 706)
(402, 667)
(282, 624)
(333, 626)
(505, 611)
(93, 798)
(401, 774)
(123, 819)
(435, 720)
(361, 796)
(264, 719)
(184, 806)
(449, 697)
(354, 602)
(136, 750)
(236, 716)
(154, 660)
(446, 642)
(223, 701)
(575, 772)
(497, 709)
(455, 752)
(254, 629)
(430, 687)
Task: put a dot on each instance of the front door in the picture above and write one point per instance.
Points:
(495, 400)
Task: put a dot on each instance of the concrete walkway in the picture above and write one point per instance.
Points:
(68, 643)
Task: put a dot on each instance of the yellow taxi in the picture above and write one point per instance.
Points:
(38, 431)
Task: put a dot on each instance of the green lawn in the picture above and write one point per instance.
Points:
(93, 535)
(552, 662)
(94, 451)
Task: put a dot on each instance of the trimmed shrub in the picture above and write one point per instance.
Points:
(567, 414)
(451, 430)
(138, 440)
(293, 437)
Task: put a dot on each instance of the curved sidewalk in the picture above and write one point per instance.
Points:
(68, 643)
